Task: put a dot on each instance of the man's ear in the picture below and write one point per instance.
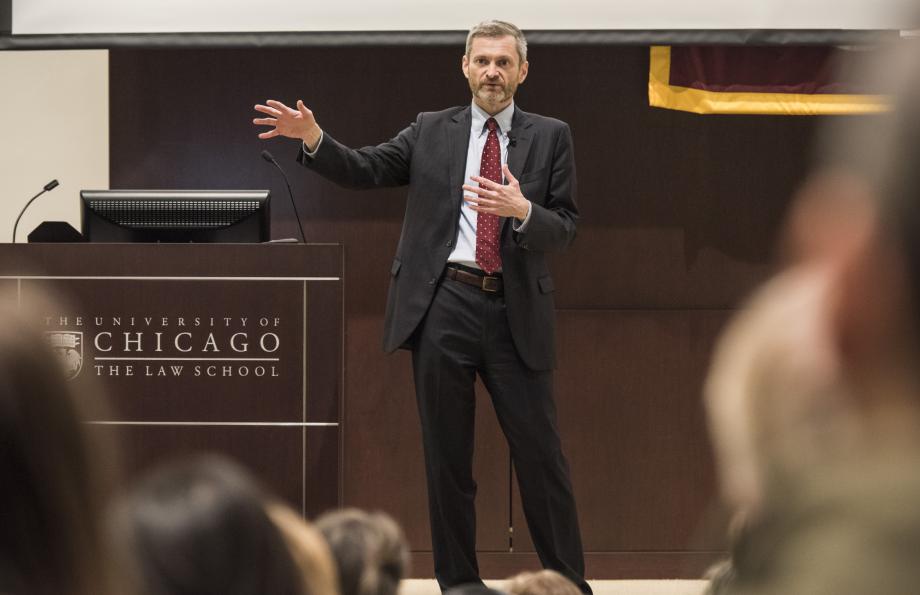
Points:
(465, 66)
(524, 69)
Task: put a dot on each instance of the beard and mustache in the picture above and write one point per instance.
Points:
(492, 92)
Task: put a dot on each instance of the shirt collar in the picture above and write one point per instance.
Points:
(503, 118)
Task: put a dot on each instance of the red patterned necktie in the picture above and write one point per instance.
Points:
(488, 256)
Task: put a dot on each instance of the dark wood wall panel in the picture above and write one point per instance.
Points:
(280, 468)
(325, 348)
(617, 267)
(169, 442)
(321, 446)
(679, 215)
(8, 292)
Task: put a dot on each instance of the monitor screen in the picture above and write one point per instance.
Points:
(175, 215)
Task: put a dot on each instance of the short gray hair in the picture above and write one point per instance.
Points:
(498, 29)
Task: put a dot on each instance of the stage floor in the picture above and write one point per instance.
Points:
(659, 587)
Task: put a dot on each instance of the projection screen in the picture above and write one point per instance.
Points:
(45, 17)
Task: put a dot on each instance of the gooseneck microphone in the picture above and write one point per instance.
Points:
(48, 187)
(268, 157)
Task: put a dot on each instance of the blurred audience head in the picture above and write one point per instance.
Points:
(369, 550)
(543, 582)
(775, 401)
(199, 527)
(310, 550)
(473, 589)
(819, 365)
(874, 303)
(54, 473)
(720, 577)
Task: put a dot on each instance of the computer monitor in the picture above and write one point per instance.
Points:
(175, 215)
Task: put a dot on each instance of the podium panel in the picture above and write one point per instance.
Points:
(234, 349)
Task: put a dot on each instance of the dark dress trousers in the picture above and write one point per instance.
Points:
(456, 331)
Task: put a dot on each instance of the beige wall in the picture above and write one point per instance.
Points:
(54, 117)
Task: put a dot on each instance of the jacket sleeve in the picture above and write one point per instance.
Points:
(387, 164)
(552, 223)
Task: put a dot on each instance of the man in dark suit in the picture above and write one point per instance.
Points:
(491, 190)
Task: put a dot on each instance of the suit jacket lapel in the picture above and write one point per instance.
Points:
(517, 151)
(523, 135)
(458, 142)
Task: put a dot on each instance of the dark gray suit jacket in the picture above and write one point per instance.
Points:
(430, 156)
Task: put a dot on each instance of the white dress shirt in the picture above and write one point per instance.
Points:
(465, 249)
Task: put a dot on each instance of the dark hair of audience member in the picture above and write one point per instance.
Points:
(54, 474)
(544, 582)
(369, 550)
(200, 527)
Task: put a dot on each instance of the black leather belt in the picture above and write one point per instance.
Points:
(487, 283)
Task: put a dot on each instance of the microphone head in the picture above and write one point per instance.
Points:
(268, 156)
(51, 185)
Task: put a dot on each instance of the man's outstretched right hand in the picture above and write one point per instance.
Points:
(293, 123)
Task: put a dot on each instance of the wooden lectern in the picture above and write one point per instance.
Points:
(230, 348)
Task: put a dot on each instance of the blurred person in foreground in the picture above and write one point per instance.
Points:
(814, 395)
(55, 476)
(473, 589)
(369, 549)
(544, 582)
(309, 548)
(202, 526)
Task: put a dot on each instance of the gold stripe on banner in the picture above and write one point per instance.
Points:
(664, 95)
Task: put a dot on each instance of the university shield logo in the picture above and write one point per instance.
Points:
(69, 348)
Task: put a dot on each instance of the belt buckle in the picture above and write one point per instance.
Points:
(491, 284)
